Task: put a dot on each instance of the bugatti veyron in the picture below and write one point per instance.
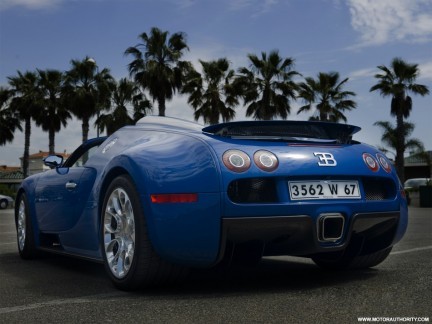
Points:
(166, 195)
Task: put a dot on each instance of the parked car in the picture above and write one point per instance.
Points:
(5, 201)
(167, 195)
(412, 185)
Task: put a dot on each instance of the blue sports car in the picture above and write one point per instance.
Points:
(166, 195)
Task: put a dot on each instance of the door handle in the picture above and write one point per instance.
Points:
(70, 185)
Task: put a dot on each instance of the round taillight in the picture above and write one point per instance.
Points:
(236, 160)
(266, 160)
(370, 162)
(384, 162)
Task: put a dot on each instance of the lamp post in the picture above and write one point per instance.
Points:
(93, 62)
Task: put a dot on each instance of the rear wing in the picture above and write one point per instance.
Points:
(289, 131)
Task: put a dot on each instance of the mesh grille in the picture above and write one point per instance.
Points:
(379, 189)
(263, 190)
(279, 130)
(257, 190)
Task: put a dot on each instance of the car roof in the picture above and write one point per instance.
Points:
(171, 123)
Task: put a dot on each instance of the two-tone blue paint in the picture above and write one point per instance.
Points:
(164, 155)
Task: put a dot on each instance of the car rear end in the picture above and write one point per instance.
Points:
(304, 189)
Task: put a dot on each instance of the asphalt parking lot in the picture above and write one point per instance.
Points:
(279, 290)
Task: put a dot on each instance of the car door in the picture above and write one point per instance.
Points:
(61, 194)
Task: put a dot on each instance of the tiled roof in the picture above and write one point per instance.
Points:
(42, 155)
(5, 168)
(15, 175)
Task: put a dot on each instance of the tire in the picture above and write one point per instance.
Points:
(3, 204)
(129, 257)
(357, 262)
(25, 232)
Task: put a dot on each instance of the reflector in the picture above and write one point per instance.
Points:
(174, 198)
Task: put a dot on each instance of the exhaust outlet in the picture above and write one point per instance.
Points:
(330, 227)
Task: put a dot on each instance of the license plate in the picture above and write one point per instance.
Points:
(324, 189)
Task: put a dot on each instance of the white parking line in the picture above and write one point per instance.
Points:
(59, 302)
(8, 243)
(412, 250)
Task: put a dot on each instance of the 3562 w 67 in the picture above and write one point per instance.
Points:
(324, 189)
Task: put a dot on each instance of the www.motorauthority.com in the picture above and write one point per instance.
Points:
(393, 319)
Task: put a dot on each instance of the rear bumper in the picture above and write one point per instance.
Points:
(299, 235)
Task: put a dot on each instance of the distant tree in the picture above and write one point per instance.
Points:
(326, 95)
(9, 119)
(26, 102)
(87, 91)
(53, 113)
(212, 93)
(125, 96)
(157, 65)
(267, 86)
(396, 82)
(389, 137)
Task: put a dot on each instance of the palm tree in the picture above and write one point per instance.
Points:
(396, 82)
(212, 93)
(53, 114)
(389, 137)
(156, 64)
(25, 101)
(267, 86)
(326, 94)
(9, 119)
(87, 91)
(125, 95)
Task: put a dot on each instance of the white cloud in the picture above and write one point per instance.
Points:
(240, 4)
(29, 4)
(259, 6)
(363, 73)
(384, 21)
(425, 71)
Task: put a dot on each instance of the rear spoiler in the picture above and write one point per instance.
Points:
(285, 130)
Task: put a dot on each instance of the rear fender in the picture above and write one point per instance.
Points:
(176, 163)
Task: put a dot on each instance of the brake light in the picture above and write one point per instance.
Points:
(174, 198)
(236, 160)
(370, 162)
(266, 160)
(384, 163)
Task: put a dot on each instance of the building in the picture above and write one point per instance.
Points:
(36, 164)
(418, 166)
(11, 177)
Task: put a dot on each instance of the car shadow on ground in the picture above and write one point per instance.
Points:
(269, 276)
(62, 276)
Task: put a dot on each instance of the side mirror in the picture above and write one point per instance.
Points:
(53, 161)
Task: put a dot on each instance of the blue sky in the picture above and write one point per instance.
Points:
(351, 37)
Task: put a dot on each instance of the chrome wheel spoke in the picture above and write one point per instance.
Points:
(119, 233)
(21, 225)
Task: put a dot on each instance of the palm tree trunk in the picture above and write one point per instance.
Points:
(27, 133)
(161, 104)
(51, 140)
(85, 129)
(400, 147)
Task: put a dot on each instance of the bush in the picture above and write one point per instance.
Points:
(5, 190)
